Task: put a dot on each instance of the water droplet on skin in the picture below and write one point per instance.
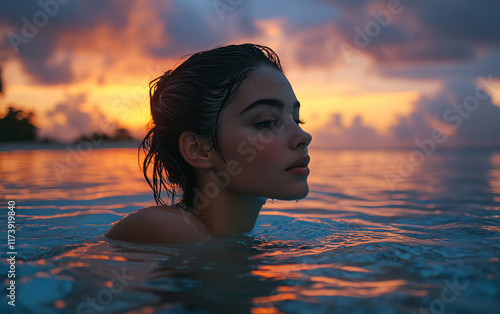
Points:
(272, 201)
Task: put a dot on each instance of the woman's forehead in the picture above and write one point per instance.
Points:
(263, 83)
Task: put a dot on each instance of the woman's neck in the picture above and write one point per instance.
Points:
(229, 213)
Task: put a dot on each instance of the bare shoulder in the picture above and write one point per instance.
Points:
(159, 224)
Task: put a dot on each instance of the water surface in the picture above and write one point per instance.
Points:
(378, 232)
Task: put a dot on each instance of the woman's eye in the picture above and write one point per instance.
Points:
(300, 121)
(267, 124)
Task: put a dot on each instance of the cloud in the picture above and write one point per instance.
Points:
(439, 35)
(443, 36)
(461, 114)
(462, 20)
(335, 134)
(111, 33)
(485, 65)
(462, 109)
(44, 37)
(191, 26)
(68, 120)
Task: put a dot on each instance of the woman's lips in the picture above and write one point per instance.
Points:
(300, 171)
(299, 166)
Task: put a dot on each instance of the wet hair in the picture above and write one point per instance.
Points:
(191, 98)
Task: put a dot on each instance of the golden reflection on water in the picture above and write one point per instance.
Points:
(338, 177)
(89, 252)
(280, 272)
(73, 214)
(327, 286)
(58, 174)
(360, 173)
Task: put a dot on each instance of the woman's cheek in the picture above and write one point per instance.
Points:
(252, 150)
(269, 154)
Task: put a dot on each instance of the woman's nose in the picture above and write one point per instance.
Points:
(301, 139)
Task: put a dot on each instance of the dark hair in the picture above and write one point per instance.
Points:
(191, 98)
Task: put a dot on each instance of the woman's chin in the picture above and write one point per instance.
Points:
(292, 195)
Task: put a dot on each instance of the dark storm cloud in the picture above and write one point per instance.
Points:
(192, 26)
(422, 32)
(476, 22)
(36, 61)
(486, 64)
(395, 33)
(185, 27)
(39, 27)
(302, 15)
(68, 14)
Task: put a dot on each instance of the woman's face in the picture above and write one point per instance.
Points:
(261, 139)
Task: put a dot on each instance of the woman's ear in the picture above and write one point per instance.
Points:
(195, 150)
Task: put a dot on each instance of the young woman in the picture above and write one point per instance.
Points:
(225, 137)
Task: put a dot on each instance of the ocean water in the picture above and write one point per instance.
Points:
(382, 231)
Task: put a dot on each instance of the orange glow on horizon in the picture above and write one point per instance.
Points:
(378, 110)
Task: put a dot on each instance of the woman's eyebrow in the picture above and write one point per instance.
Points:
(270, 102)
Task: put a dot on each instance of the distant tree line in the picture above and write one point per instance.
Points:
(17, 126)
(120, 134)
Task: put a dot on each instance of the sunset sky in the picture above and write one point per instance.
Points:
(367, 73)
